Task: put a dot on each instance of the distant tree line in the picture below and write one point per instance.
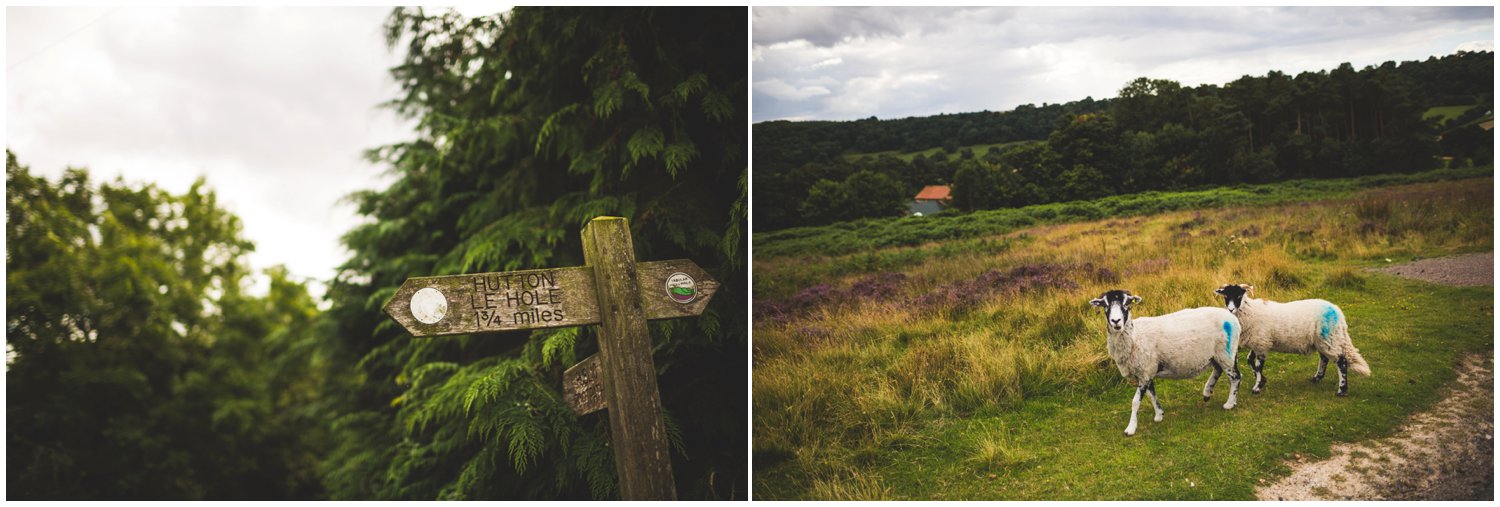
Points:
(1157, 135)
(792, 157)
(785, 145)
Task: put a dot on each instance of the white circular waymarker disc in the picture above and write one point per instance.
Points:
(429, 306)
(681, 288)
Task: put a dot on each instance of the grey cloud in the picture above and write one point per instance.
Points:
(274, 106)
(826, 26)
(998, 58)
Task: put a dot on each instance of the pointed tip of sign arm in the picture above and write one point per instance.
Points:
(401, 316)
(655, 297)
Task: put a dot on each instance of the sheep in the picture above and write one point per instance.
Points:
(1177, 345)
(1298, 327)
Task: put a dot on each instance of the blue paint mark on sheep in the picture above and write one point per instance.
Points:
(1330, 321)
(1228, 339)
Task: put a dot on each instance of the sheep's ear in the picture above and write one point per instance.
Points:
(1220, 290)
(1099, 302)
(1133, 299)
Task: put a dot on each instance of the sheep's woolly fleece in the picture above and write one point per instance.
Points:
(1178, 345)
(1299, 327)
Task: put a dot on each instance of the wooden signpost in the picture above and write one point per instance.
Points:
(610, 290)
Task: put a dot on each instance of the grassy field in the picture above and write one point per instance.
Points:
(869, 238)
(981, 373)
(1445, 113)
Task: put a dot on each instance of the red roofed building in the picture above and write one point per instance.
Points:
(932, 199)
(934, 193)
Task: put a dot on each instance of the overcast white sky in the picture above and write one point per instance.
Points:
(273, 106)
(842, 63)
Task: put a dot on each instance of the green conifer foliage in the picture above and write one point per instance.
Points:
(530, 123)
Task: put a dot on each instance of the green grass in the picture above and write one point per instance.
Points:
(979, 151)
(1071, 447)
(869, 234)
(1201, 451)
(1445, 113)
(1016, 398)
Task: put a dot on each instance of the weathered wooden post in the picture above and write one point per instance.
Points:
(611, 290)
(629, 374)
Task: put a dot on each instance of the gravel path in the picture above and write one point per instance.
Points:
(1446, 453)
(1471, 269)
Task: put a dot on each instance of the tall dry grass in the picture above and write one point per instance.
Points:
(850, 369)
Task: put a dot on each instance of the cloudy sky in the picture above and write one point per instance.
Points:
(273, 106)
(848, 63)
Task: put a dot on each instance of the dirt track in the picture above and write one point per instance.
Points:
(1464, 270)
(1443, 454)
(1446, 453)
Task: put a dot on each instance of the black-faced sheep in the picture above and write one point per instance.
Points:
(1176, 346)
(1298, 327)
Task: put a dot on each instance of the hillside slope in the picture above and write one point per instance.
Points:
(975, 369)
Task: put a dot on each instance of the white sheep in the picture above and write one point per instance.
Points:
(1177, 345)
(1298, 327)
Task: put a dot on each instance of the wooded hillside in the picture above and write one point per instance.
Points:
(1156, 135)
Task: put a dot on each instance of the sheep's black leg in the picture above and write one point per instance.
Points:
(1259, 367)
(1208, 388)
(1322, 367)
(1343, 376)
(1258, 363)
(1234, 385)
(1151, 390)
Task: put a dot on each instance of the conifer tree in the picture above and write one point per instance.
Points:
(530, 123)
